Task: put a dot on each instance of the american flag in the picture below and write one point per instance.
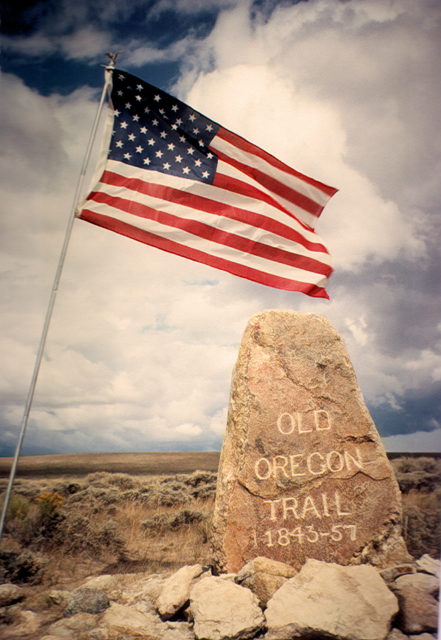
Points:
(178, 181)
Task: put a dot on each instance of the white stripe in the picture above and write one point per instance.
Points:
(212, 193)
(231, 171)
(212, 248)
(218, 144)
(221, 223)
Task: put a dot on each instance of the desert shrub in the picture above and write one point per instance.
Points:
(88, 535)
(105, 479)
(49, 503)
(419, 473)
(422, 523)
(20, 566)
(169, 521)
(18, 507)
(69, 488)
(198, 477)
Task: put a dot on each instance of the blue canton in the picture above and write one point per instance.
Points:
(153, 130)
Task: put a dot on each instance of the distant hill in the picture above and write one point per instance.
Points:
(80, 464)
(161, 463)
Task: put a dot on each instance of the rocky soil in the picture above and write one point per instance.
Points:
(266, 599)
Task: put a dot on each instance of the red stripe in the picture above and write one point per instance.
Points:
(245, 189)
(205, 231)
(214, 207)
(298, 199)
(164, 244)
(241, 143)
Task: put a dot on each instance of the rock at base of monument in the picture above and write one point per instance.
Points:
(303, 473)
(332, 601)
(264, 576)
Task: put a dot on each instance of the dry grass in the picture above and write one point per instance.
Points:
(116, 521)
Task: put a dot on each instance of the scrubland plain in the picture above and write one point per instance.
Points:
(68, 520)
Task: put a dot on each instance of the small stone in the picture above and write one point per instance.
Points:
(76, 624)
(392, 573)
(9, 594)
(175, 593)
(429, 565)
(423, 581)
(223, 610)
(418, 610)
(396, 634)
(123, 619)
(330, 600)
(58, 597)
(87, 601)
(264, 576)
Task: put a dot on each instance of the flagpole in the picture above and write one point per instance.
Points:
(108, 76)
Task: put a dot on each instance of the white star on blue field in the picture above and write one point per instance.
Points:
(142, 343)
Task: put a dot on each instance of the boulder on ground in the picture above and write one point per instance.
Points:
(418, 610)
(86, 601)
(9, 594)
(69, 628)
(223, 610)
(175, 593)
(264, 576)
(348, 603)
(429, 565)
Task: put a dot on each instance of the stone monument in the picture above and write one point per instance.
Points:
(303, 473)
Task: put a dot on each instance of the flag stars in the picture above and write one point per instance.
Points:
(155, 122)
(116, 113)
(205, 174)
(143, 130)
(123, 125)
(138, 98)
(131, 137)
(157, 97)
(127, 156)
(185, 170)
(209, 128)
(135, 118)
(147, 161)
(139, 149)
(119, 144)
(190, 150)
(197, 163)
(174, 107)
(192, 117)
(128, 105)
(166, 166)
(151, 142)
(163, 134)
(139, 87)
(159, 154)
(170, 146)
(178, 158)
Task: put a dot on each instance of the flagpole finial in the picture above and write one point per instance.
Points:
(112, 58)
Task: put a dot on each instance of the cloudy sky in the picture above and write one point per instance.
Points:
(142, 343)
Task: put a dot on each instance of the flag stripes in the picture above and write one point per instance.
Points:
(208, 194)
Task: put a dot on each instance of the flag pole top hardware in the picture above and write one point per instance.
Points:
(112, 59)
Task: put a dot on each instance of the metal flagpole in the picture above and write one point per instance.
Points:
(109, 69)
